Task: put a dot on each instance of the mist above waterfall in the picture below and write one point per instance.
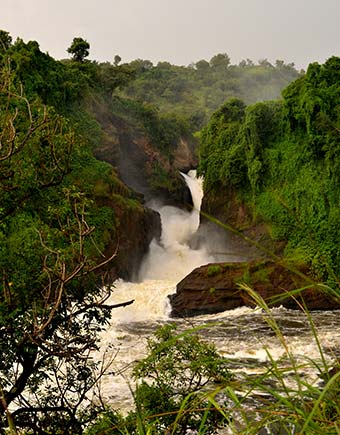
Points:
(172, 257)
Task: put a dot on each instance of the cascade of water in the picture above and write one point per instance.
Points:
(242, 334)
(168, 261)
(195, 185)
(172, 258)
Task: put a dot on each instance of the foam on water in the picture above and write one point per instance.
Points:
(240, 335)
(150, 301)
(172, 258)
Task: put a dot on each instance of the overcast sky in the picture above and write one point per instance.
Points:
(180, 31)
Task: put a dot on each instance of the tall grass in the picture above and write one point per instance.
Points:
(289, 407)
(278, 401)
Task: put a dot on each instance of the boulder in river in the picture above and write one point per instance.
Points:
(217, 287)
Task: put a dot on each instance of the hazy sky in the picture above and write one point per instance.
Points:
(180, 31)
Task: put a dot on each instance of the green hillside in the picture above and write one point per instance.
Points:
(282, 160)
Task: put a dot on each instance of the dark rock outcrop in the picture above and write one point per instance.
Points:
(131, 230)
(215, 288)
(137, 229)
(185, 156)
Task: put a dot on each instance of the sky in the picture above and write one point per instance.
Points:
(180, 31)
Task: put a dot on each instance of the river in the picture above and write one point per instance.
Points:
(242, 335)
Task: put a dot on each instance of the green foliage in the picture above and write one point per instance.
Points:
(202, 87)
(59, 214)
(164, 102)
(176, 370)
(5, 41)
(282, 158)
(221, 155)
(55, 83)
(221, 60)
(214, 270)
(62, 84)
(164, 130)
(79, 49)
(117, 59)
(112, 77)
(160, 179)
(172, 385)
(57, 224)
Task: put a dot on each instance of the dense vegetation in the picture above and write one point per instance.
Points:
(61, 208)
(171, 392)
(282, 160)
(58, 234)
(195, 91)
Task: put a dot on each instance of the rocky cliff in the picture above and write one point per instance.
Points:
(140, 162)
(148, 172)
(136, 230)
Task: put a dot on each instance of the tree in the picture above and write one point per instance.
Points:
(164, 65)
(172, 386)
(202, 65)
(265, 63)
(5, 41)
(79, 49)
(221, 60)
(52, 305)
(117, 59)
(141, 65)
(112, 77)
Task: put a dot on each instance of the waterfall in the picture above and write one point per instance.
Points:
(195, 185)
(240, 335)
(168, 261)
(172, 258)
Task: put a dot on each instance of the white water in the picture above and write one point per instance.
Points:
(167, 262)
(241, 335)
(172, 258)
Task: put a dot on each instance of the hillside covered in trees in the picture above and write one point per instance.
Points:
(280, 159)
(195, 91)
(83, 145)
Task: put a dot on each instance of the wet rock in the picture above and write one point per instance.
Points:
(216, 287)
(137, 230)
(207, 289)
(185, 157)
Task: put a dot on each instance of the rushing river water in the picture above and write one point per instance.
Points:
(242, 335)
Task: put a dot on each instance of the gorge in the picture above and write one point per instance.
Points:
(102, 243)
(239, 332)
